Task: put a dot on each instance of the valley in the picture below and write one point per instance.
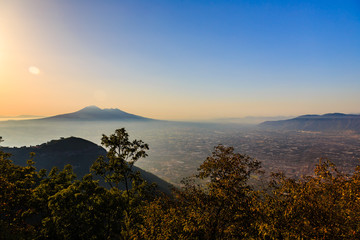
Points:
(178, 148)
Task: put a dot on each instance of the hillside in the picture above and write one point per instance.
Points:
(326, 122)
(93, 113)
(78, 152)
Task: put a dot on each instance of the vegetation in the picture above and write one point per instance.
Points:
(226, 199)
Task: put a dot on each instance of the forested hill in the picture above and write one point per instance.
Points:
(326, 122)
(78, 152)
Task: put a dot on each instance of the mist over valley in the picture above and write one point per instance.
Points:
(178, 148)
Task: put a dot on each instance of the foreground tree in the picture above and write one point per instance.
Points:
(323, 206)
(49, 185)
(37, 205)
(80, 211)
(122, 154)
(16, 184)
(127, 185)
(219, 202)
(216, 204)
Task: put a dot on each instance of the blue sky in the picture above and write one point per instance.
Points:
(181, 59)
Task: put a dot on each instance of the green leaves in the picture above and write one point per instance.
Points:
(120, 146)
(322, 206)
(129, 187)
(222, 201)
(216, 204)
(16, 185)
(84, 203)
(116, 168)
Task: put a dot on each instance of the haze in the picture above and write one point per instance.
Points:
(180, 59)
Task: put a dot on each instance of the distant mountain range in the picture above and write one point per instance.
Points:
(22, 116)
(326, 122)
(93, 113)
(249, 119)
(78, 152)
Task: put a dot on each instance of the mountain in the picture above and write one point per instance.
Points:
(326, 122)
(93, 113)
(22, 116)
(78, 152)
(248, 120)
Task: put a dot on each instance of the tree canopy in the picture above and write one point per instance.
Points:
(226, 199)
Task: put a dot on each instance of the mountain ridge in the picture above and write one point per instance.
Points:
(94, 113)
(313, 122)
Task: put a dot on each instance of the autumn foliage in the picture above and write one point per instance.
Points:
(228, 198)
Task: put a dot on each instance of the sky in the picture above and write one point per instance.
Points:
(180, 59)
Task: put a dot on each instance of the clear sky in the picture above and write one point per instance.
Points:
(180, 59)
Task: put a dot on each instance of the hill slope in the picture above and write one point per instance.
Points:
(326, 122)
(93, 113)
(78, 152)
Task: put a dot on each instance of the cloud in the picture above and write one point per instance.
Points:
(34, 70)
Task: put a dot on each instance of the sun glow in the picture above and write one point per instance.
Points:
(2, 54)
(34, 70)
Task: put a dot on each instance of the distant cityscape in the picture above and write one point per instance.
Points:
(294, 152)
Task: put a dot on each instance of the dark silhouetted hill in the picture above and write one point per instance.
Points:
(326, 122)
(93, 113)
(78, 152)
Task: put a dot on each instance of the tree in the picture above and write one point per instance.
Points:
(16, 185)
(323, 206)
(215, 204)
(48, 186)
(85, 203)
(117, 170)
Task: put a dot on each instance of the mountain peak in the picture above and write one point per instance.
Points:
(91, 107)
(94, 113)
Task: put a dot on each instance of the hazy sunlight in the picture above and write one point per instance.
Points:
(34, 70)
